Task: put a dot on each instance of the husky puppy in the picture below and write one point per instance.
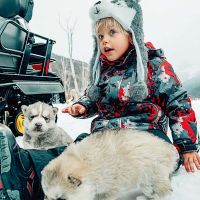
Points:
(109, 163)
(40, 129)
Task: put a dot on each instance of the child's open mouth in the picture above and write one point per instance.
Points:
(107, 49)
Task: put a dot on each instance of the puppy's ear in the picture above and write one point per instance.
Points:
(55, 110)
(74, 180)
(49, 174)
(24, 108)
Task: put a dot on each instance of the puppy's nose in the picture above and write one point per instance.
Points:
(97, 3)
(38, 124)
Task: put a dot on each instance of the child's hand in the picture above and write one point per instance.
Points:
(191, 160)
(76, 109)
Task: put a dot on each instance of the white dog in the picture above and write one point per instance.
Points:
(108, 163)
(40, 129)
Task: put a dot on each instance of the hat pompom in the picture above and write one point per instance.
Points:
(139, 91)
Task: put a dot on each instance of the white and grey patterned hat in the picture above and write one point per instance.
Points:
(129, 14)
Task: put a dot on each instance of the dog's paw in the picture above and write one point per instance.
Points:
(141, 198)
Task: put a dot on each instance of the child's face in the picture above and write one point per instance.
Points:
(113, 43)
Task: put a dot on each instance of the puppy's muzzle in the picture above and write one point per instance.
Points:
(38, 126)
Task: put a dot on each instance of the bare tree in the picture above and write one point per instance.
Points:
(69, 31)
(65, 76)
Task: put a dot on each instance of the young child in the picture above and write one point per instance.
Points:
(131, 86)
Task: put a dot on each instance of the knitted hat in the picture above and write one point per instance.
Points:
(129, 14)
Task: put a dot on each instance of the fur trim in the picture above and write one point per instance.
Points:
(93, 60)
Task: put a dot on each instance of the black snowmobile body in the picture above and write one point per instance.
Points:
(24, 65)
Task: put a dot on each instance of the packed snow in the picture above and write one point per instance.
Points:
(186, 186)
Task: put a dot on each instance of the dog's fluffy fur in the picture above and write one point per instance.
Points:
(111, 162)
(40, 129)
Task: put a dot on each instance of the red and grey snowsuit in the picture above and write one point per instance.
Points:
(167, 102)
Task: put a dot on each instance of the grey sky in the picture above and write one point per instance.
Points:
(173, 25)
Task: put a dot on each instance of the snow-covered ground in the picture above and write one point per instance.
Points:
(186, 186)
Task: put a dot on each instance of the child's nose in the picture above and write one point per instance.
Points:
(105, 39)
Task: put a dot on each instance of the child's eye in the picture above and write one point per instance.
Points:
(100, 37)
(112, 32)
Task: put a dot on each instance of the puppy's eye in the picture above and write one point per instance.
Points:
(30, 117)
(47, 119)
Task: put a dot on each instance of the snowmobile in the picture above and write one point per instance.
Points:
(25, 56)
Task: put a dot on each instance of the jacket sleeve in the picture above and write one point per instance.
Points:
(176, 104)
(91, 107)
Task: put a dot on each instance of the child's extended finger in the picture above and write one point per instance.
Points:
(82, 110)
(198, 158)
(187, 168)
(187, 165)
(197, 162)
(191, 165)
(75, 109)
(65, 110)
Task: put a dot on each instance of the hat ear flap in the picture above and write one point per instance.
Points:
(93, 60)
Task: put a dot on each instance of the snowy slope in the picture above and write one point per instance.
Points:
(186, 186)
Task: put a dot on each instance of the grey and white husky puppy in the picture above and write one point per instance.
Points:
(40, 128)
(109, 163)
